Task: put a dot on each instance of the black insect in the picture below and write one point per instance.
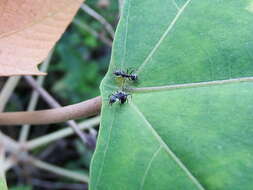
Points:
(128, 74)
(118, 96)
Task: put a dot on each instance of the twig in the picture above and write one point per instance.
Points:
(59, 171)
(61, 134)
(93, 32)
(34, 98)
(49, 167)
(14, 147)
(3, 184)
(57, 185)
(9, 163)
(10, 144)
(54, 104)
(84, 109)
(7, 90)
(2, 158)
(99, 18)
(42, 92)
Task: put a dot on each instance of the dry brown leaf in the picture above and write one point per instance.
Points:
(28, 30)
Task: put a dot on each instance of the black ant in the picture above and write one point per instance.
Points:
(118, 96)
(127, 74)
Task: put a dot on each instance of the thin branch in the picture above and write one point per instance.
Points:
(2, 158)
(84, 109)
(9, 163)
(24, 157)
(42, 92)
(57, 185)
(14, 147)
(7, 91)
(59, 171)
(34, 98)
(61, 134)
(99, 18)
(54, 104)
(9, 144)
(49, 167)
(2, 170)
(189, 85)
(93, 32)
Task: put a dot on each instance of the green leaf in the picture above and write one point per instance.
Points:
(189, 122)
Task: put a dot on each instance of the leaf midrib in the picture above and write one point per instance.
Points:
(149, 166)
(182, 86)
(190, 85)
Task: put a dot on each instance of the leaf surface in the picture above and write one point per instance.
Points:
(28, 30)
(188, 124)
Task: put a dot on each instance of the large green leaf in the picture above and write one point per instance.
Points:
(189, 122)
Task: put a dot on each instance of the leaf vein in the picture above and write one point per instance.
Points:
(169, 28)
(176, 5)
(126, 35)
(167, 148)
(105, 151)
(149, 166)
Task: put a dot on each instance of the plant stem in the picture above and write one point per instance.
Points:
(54, 104)
(59, 171)
(2, 158)
(84, 109)
(34, 98)
(99, 18)
(60, 134)
(9, 144)
(3, 184)
(43, 184)
(7, 91)
(93, 32)
(9, 163)
(44, 94)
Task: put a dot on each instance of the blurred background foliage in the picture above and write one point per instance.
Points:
(79, 62)
(81, 59)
